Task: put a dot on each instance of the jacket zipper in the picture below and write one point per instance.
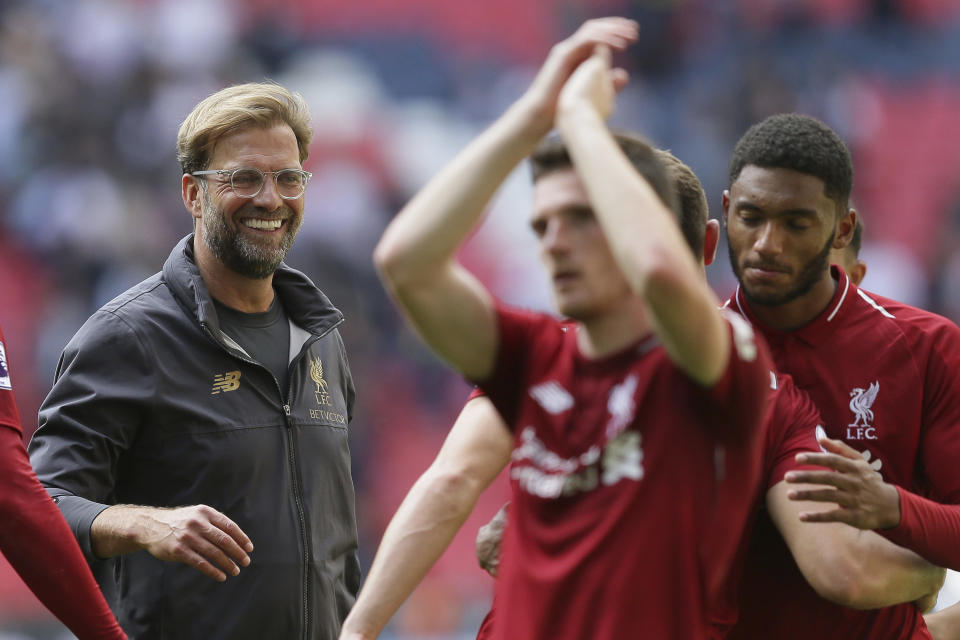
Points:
(295, 471)
(292, 458)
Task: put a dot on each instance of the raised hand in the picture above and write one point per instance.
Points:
(593, 85)
(865, 500)
(612, 34)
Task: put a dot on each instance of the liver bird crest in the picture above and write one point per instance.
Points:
(861, 402)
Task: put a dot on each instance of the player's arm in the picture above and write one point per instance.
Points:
(944, 624)
(864, 500)
(642, 232)
(850, 567)
(104, 383)
(415, 256)
(37, 542)
(476, 450)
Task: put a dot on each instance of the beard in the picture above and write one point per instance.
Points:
(808, 276)
(240, 253)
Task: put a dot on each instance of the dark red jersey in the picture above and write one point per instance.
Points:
(792, 421)
(618, 472)
(883, 376)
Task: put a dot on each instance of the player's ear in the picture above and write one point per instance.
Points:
(845, 228)
(711, 238)
(858, 272)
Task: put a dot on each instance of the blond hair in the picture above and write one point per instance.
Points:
(262, 104)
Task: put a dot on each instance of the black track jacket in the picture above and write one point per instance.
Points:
(154, 405)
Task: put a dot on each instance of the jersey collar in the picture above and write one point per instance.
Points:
(818, 329)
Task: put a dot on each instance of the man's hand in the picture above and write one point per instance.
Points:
(201, 537)
(488, 542)
(865, 500)
(594, 85)
(565, 57)
(198, 536)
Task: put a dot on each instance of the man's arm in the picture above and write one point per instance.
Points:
(88, 422)
(853, 568)
(476, 450)
(39, 545)
(642, 232)
(415, 256)
(864, 500)
(944, 624)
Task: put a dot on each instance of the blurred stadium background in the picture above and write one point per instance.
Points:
(92, 93)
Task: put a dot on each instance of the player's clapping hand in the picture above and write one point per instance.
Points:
(565, 57)
(865, 501)
(198, 536)
(594, 85)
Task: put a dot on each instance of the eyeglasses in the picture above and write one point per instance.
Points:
(247, 183)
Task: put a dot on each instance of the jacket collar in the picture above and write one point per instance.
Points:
(817, 330)
(307, 306)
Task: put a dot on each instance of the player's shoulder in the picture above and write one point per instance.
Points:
(915, 323)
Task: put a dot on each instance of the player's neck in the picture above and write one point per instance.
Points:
(800, 311)
(601, 336)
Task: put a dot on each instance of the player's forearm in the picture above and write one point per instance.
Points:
(61, 578)
(429, 229)
(892, 574)
(869, 572)
(649, 248)
(945, 624)
(423, 527)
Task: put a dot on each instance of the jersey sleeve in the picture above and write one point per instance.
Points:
(792, 423)
(516, 331)
(931, 526)
(104, 384)
(35, 539)
(737, 403)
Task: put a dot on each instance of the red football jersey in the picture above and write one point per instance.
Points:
(883, 376)
(792, 421)
(617, 474)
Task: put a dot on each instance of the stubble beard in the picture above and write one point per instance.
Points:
(808, 276)
(239, 254)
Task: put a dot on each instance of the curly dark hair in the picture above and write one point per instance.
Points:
(803, 144)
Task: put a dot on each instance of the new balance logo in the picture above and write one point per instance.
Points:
(552, 397)
(229, 381)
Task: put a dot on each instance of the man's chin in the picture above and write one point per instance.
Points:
(765, 297)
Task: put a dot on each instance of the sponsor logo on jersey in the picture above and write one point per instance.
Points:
(4, 369)
(552, 397)
(861, 403)
(229, 381)
(551, 476)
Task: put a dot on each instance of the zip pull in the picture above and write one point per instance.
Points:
(286, 409)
